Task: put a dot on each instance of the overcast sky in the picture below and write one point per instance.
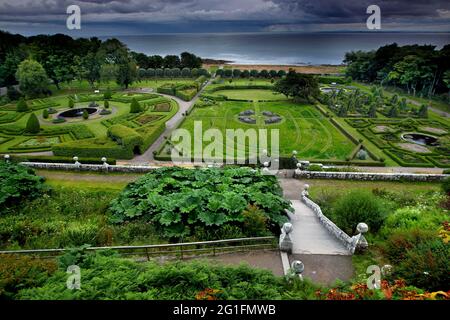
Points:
(131, 17)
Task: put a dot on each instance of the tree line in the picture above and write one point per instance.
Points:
(237, 73)
(418, 69)
(32, 61)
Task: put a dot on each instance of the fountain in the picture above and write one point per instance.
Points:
(420, 138)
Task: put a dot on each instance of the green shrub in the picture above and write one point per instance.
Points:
(446, 186)
(414, 217)
(359, 206)
(398, 242)
(121, 279)
(18, 272)
(71, 103)
(59, 120)
(45, 114)
(254, 221)
(33, 125)
(85, 114)
(18, 182)
(135, 107)
(177, 200)
(106, 104)
(22, 106)
(125, 136)
(108, 94)
(92, 148)
(427, 265)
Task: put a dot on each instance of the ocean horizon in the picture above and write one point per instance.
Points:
(320, 48)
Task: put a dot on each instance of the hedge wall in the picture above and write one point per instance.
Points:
(125, 136)
(93, 148)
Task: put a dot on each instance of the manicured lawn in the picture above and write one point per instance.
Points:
(302, 127)
(250, 94)
(318, 186)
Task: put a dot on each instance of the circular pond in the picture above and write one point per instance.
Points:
(73, 113)
(421, 139)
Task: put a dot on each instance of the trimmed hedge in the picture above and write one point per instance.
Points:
(125, 136)
(92, 148)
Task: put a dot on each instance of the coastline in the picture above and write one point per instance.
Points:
(309, 69)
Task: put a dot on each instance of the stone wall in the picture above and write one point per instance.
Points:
(370, 176)
(88, 167)
(347, 241)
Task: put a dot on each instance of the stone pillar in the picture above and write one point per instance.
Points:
(285, 240)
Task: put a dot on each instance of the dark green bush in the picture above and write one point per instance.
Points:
(22, 106)
(399, 242)
(177, 200)
(126, 279)
(85, 114)
(427, 265)
(446, 186)
(17, 183)
(135, 107)
(19, 272)
(359, 206)
(106, 104)
(45, 114)
(71, 103)
(33, 125)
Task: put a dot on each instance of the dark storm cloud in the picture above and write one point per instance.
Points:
(232, 15)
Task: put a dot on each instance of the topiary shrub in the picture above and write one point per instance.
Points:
(18, 182)
(22, 106)
(106, 104)
(359, 206)
(135, 107)
(45, 114)
(33, 125)
(71, 103)
(85, 114)
(108, 94)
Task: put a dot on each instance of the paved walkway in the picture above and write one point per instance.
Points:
(310, 236)
(325, 257)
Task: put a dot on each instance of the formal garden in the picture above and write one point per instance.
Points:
(85, 124)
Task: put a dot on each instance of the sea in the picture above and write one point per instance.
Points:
(276, 48)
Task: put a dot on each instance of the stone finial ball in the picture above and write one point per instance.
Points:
(266, 164)
(299, 165)
(7, 156)
(287, 227)
(294, 152)
(362, 227)
(306, 186)
(104, 159)
(75, 158)
(297, 266)
(386, 269)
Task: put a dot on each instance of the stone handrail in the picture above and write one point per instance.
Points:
(369, 176)
(89, 167)
(345, 239)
